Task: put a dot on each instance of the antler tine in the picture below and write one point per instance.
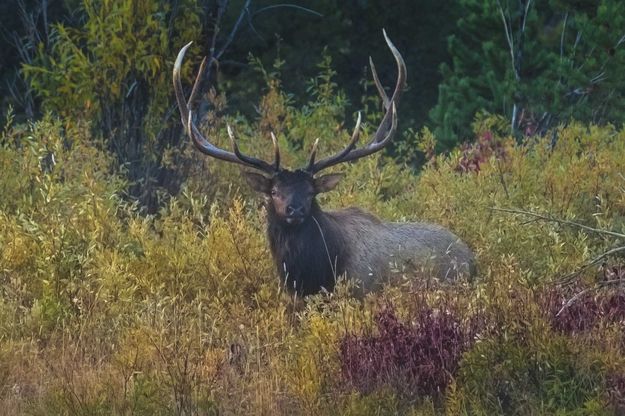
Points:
(312, 167)
(383, 133)
(196, 84)
(313, 154)
(371, 147)
(399, 87)
(182, 103)
(378, 85)
(186, 115)
(276, 152)
(248, 160)
(375, 146)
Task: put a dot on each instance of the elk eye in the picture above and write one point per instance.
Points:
(274, 192)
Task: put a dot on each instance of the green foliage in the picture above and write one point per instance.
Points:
(514, 375)
(115, 70)
(80, 58)
(538, 65)
(349, 32)
(576, 179)
(107, 310)
(122, 46)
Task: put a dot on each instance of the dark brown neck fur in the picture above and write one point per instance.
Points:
(306, 257)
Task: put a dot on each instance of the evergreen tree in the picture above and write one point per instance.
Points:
(536, 62)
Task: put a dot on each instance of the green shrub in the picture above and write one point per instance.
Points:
(114, 69)
(513, 375)
(106, 309)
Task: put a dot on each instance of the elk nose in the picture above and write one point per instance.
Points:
(293, 210)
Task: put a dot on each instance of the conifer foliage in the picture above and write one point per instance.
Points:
(537, 62)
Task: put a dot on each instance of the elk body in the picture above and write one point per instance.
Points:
(312, 247)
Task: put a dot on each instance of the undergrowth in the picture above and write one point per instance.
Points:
(107, 310)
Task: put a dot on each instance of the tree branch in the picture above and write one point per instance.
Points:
(561, 221)
(566, 19)
(234, 30)
(508, 31)
(569, 277)
(294, 6)
(598, 286)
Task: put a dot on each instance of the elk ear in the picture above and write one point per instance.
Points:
(327, 183)
(258, 182)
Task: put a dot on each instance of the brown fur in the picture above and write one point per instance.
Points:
(379, 249)
(311, 252)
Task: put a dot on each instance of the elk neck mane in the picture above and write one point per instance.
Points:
(308, 256)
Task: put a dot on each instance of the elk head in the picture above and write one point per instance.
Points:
(290, 195)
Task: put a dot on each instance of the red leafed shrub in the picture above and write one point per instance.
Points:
(585, 311)
(416, 359)
(615, 386)
(474, 154)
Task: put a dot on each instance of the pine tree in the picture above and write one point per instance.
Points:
(538, 63)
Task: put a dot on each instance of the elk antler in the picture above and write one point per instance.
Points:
(200, 141)
(383, 134)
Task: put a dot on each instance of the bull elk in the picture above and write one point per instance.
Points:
(311, 247)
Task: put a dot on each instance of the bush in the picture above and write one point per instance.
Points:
(521, 375)
(105, 309)
(419, 359)
(114, 69)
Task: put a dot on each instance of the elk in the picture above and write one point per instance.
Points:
(312, 247)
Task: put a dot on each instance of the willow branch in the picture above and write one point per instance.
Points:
(598, 286)
(561, 221)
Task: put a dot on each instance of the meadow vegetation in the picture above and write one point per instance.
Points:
(106, 309)
(135, 277)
